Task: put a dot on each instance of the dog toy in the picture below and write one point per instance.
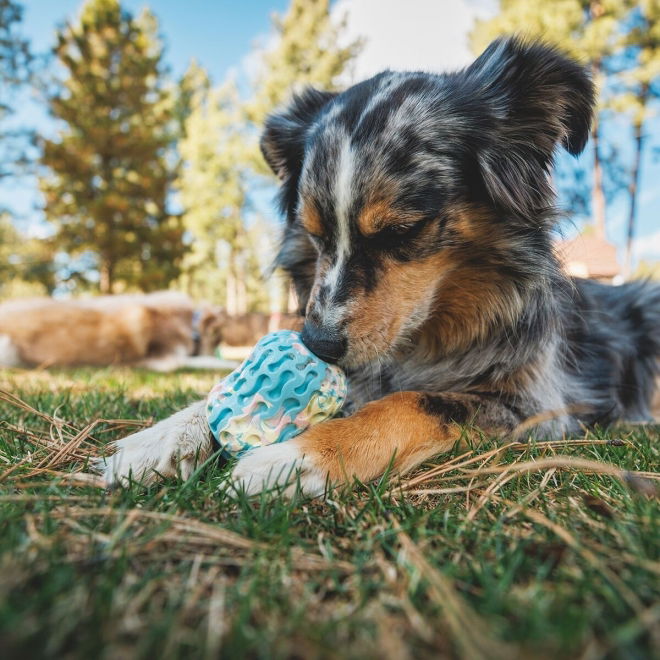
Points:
(280, 390)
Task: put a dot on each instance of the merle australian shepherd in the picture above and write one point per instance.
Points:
(419, 215)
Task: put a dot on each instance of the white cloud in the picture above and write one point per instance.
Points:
(647, 247)
(427, 35)
(251, 65)
(649, 195)
(404, 35)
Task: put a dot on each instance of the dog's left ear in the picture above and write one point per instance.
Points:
(283, 142)
(283, 139)
(536, 98)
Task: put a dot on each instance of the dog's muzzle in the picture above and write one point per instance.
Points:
(328, 345)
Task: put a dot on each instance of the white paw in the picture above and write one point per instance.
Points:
(9, 356)
(175, 446)
(281, 465)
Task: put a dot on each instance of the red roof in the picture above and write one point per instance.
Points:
(588, 256)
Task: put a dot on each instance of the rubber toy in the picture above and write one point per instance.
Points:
(280, 390)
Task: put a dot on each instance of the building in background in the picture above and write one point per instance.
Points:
(590, 256)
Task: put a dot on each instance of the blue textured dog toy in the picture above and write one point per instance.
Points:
(281, 389)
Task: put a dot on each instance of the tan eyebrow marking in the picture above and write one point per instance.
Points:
(311, 219)
(379, 214)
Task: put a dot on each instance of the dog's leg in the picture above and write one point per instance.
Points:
(174, 446)
(164, 365)
(403, 430)
(9, 356)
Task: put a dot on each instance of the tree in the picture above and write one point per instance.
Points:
(640, 82)
(109, 180)
(221, 159)
(15, 69)
(15, 56)
(212, 191)
(587, 29)
(194, 81)
(26, 264)
(307, 51)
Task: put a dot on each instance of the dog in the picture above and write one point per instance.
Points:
(159, 331)
(419, 215)
(247, 329)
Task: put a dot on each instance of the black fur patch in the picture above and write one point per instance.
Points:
(445, 408)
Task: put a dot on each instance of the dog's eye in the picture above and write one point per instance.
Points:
(402, 230)
(397, 232)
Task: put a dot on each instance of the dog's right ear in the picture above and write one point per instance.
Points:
(283, 140)
(535, 98)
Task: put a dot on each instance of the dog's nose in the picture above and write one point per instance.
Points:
(329, 346)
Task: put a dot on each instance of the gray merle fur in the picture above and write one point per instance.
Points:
(483, 137)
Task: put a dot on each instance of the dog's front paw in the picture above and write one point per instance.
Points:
(281, 465)
(175, 446)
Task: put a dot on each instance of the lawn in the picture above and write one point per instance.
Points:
(505, 550)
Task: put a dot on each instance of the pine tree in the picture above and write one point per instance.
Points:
(26, 264)
(587, 29)
(193, 82)
(641, 82)
(220, 154)
(307, 51)
(310, 50)
(15, 69)
(109, 177)
(212, 190)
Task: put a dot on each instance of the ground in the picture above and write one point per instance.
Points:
(501, 550)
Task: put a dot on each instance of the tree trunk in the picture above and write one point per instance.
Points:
(597, 190)
(633, 188)
(231, 287)
(106, 276)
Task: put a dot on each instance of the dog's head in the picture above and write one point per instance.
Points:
(414, 198)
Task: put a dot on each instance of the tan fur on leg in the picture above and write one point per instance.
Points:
(402, 429)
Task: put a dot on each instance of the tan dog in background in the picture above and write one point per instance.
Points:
(159, 331)
(247, 329)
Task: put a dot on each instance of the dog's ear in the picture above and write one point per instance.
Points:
(283, 139)
(535, 98)
(297, 256)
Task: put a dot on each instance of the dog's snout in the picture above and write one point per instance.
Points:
(329, 346)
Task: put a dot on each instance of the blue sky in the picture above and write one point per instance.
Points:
(221, 34)
(218, 33)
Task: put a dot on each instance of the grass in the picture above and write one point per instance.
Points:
(498, 551)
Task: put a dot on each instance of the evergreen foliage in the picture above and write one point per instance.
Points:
(109, 180)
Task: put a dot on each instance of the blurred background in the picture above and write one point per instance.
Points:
(129, 131)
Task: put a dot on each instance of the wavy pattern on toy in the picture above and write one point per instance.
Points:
(281, 389)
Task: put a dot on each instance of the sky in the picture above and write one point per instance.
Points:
(223, 36)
